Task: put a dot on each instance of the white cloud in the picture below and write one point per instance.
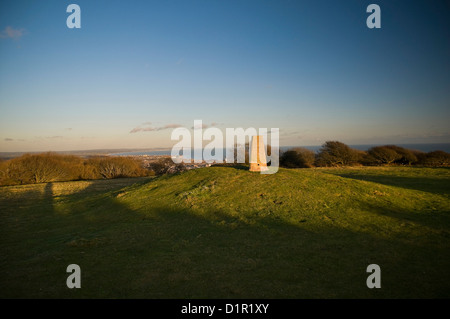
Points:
(148, 128)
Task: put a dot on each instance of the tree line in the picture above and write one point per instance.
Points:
(52, 167)
(334, 153)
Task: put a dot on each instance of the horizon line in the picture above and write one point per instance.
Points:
(124, 150)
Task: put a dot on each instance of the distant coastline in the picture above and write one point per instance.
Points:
(362, 147)
(166, 151)
(87, 153)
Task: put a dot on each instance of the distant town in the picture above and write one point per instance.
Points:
(148, 160)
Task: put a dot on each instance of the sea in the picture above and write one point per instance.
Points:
(362, 147)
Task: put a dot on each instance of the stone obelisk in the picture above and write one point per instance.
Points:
(258, 162)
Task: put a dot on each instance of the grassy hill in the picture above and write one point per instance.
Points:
(224, 232)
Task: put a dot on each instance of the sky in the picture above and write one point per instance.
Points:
(136, 70)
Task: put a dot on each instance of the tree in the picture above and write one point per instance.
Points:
(334, 153)
(44, 168)
(13, 172)
(406, 157)
(383, 155)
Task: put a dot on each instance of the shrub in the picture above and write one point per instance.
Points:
(359, 157)
(89, 170)
(297, 158)
(114, 167)
(435, 158)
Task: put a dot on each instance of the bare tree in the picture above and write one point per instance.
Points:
(382, 155)
(44, 168)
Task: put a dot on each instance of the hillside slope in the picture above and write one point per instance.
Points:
(228, 233)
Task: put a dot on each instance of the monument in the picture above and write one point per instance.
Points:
(258, 162)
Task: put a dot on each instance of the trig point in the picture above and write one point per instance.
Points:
(258, 162)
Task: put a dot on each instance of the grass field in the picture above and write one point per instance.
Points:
(224, 232)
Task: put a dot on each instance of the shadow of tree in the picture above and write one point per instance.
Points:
(434, 220)
(425, 184)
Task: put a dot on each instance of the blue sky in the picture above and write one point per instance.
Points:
(136, 69)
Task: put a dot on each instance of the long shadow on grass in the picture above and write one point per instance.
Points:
(436, 220)
(426, 184)
(244, 167)
(158, 251)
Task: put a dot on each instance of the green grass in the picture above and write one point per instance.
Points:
(228, 233)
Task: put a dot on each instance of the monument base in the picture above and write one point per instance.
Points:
(258, 167)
